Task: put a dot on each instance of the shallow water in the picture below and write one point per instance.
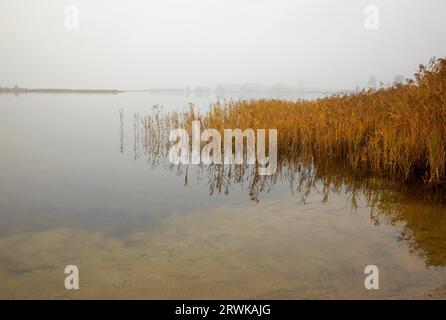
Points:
(71, 192)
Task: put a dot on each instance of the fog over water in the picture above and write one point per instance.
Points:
(155, 44)
(85, 178)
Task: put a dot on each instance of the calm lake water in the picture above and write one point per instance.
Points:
(75, 189)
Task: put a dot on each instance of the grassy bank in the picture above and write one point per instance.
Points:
(397, 132)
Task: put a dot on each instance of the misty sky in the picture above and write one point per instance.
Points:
(177, 43)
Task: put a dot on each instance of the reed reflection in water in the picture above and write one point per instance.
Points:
(417, 212)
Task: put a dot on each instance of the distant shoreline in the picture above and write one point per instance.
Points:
(17, 90)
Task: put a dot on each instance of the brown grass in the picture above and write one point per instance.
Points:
(397, 132)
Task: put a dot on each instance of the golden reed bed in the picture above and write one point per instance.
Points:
(397, 132)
